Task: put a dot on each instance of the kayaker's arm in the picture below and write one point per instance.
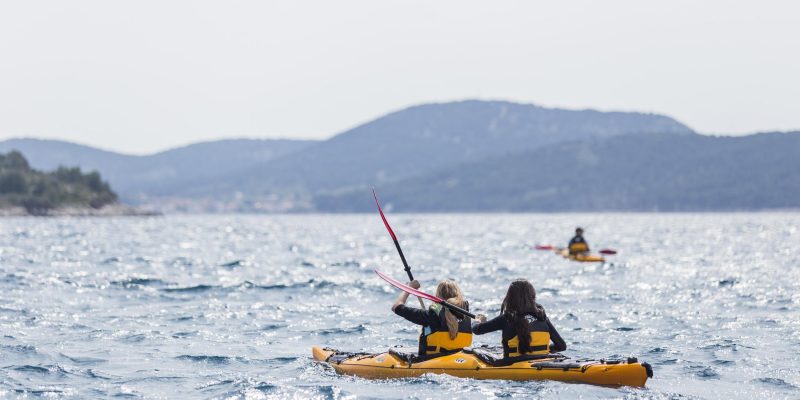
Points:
(492, 325)
(558, 343)
(404, 296)
(415, 315)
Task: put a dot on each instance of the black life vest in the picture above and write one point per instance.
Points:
(438, 341)
(540, 339)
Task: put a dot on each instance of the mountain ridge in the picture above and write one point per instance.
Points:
(624, 173)
(419, 138)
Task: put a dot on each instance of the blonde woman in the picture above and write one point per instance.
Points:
(442, 331)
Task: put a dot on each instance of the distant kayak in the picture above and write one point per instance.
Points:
(580, 257)
(477, 364)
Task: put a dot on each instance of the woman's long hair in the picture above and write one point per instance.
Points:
(450, 292)
(521, 300)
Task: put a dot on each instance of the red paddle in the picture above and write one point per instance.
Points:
(609, 252)
(423, 295)
(396, 243)
(544, 247)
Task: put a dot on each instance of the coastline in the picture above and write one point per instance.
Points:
(111, 210)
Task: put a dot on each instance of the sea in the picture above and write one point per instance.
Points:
(229, 306)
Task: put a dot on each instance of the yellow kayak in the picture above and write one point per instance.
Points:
(580, 257)
(476, 364)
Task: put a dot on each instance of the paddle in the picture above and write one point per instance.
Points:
(396, 244)
(609, 252)
(544, 247)
(422, 295)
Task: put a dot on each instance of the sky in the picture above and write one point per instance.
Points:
(143, 76)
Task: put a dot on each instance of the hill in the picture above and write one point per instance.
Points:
(284, 175)
(138, 178)
(38, 192)
(421, 139)
(658, 172)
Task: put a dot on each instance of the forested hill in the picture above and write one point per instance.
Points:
(420, 139)
(658, 172)
(38, 192)
(161, 174)
(470, 156)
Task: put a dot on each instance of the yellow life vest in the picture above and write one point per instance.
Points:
(539, 344)
(439, 341)
(579, 247)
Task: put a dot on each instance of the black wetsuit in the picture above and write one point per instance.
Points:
(503, 322)
(430, 321)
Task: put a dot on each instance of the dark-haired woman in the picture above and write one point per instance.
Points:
(526, 328)
(442, 331)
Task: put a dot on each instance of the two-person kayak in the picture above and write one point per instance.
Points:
(480, 364)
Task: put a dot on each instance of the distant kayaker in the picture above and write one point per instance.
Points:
(442, 331)
(577, 245)
(525, 326)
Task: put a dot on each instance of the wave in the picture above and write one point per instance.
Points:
(184, 335)
(313, 282)
(191, 289)
(138, 283)
(335, 331)
(777, 382)
(19, 348)
(624, 329)
(54, 370)
(728, 282)
(726, 344)
(15, 280)
(216, 360)
(247, 285)
(83, 360)
(272, 327)
(134, 338)
(233, 264)
(238, 388)
(702, 371)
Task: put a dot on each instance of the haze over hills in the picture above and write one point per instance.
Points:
(458, 156)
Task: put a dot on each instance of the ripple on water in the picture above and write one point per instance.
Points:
(191, 289)
(78, 360)
(234, 315)
(702, 371)
(776, 382)
(138, 283)
(23, 349)
(215, 360)
(336, 331)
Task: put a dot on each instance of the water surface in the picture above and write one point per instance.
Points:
(229, 306)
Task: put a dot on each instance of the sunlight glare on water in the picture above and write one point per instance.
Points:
(229, 306)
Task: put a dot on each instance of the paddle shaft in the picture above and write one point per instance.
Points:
(396, 244)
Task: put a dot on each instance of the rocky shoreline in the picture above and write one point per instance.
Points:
(111, 210)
